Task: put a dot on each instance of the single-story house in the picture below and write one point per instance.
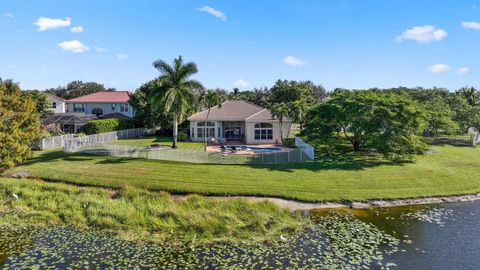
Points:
(238, 120)
(57, 104)
(102, 103)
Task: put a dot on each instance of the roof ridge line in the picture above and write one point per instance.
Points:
(264, 109)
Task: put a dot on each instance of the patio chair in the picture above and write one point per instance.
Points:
(234, 149)
(223, 148)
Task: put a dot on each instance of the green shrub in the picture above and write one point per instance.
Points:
(107, 125)
(182, 136)
(289, 142)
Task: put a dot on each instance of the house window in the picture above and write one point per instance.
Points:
(54, 105)
(209, 131)
(209, 124)
(113, 107)
(78, 107)
(124, 107)
(193, 133)
(263, 131)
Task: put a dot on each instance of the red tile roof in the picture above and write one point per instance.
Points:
(100, 97)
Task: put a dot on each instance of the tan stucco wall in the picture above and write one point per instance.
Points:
(250, 132)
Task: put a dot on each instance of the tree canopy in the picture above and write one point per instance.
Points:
(384, 122)
(77, 88)
(19, 124)
(42, 104)
(174, 90)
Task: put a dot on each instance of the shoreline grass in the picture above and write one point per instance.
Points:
(137, 214)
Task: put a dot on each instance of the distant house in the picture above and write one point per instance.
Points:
(78, 111)
(238, 121)
(102, 104)
(57, 104)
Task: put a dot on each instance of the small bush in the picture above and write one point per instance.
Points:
(182, 136)
(107, 125)
(289, 142)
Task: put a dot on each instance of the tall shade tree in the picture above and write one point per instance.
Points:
(19, 124)
(384, 122)
(209, 100)
(174, 90)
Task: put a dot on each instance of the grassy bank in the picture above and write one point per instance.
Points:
(139, 214)
(445, 170)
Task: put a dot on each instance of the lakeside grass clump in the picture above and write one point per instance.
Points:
(138, 214)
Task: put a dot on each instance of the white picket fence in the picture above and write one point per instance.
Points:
(306, 148)
(52, 142)
(76, 143)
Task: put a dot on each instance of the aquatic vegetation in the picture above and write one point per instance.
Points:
(434, 215)
(336, 241)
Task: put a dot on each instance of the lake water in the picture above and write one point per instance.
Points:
(443, 236)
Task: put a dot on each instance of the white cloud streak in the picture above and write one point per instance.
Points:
(471, 25)
(241, 83)
(76, 29)
(73, 46)
(214, 12)
(293, 61)
(9, 15)
(44, 23)
(100, 49)
(422, 34)
(122, 56)
(439, 68)
(463, 70)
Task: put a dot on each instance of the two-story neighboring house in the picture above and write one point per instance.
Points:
(78, 111)
(102, 104)
(57, 104)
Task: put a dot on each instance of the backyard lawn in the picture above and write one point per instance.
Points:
(165, 141)
(445, 170)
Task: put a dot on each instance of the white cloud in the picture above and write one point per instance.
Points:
(44, 23)
(100, 49)
(426, 33)
(73, 46)
(471, 25)
(241, 83)
(76, 29)
(463, 70)
(9, 15)
(122, 56)
(293, 61)
(439, 68)
(214, 12)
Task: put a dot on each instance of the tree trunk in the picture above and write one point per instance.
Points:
(280, 120)
(205, 130)
(175, 131)
(356, 145)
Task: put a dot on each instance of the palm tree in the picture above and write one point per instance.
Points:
(174, 90)
(471, 94)
(210, 100)
(280, 110)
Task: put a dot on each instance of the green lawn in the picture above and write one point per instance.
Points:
(445, 170)
(166, 141)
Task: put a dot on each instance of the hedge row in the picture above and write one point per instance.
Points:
(107, 125)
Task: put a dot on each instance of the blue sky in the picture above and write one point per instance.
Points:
(350, 44)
